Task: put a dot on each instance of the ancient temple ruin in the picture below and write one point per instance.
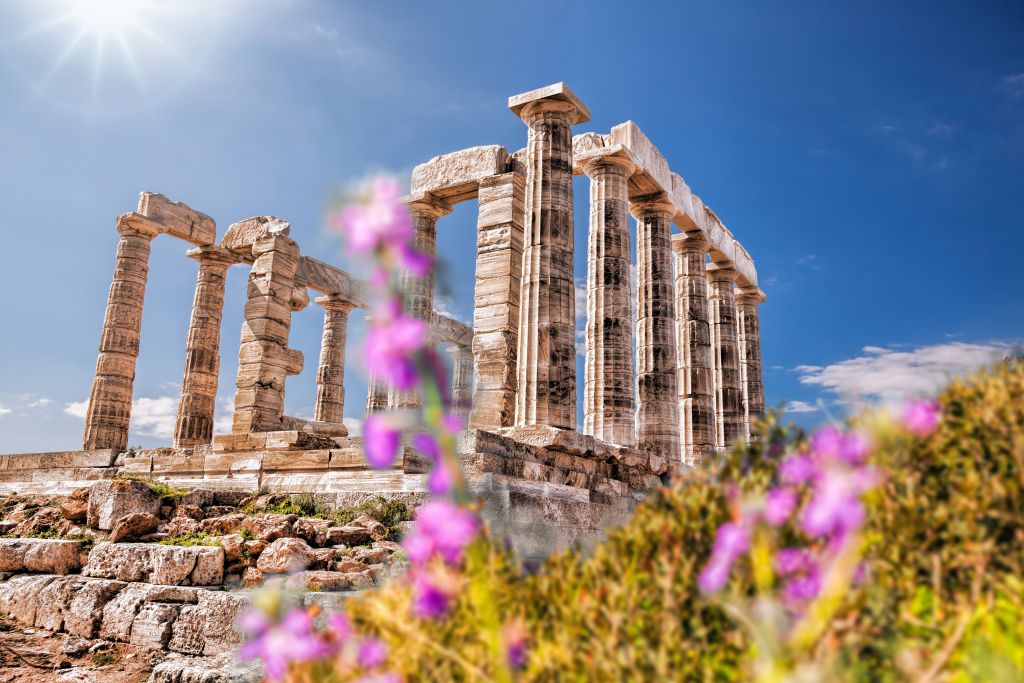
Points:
(669, 377)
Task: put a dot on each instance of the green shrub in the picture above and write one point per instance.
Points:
(159, 488)
(944, 552)
(387, 512)
(195, 538)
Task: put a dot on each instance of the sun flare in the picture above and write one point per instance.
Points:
(107, 16)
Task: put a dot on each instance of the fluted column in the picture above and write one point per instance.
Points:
(425, 209)
(728, 390)
(462, 381)
(693, 333)
(202, 348)
(330, 375)
(499, 264)
(547, 351)
(656, 358)
(110, 401)
(376, 395)
(608, 376)
(749, 328)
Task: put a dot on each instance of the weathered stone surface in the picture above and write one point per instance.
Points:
(178, 219)
(312, 530)
(378, 531)
(456, 176)
(120, 612)
(210, 626)
(45, 555)
(244, 234)
(227, 524)
(223, 668)
(133, 526)
(348, 535)
(269, 528)
(286, 555)
(109, 501)
(158, 564)
(75, 509)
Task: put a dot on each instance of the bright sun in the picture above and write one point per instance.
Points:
(107, 16)
(109, 55)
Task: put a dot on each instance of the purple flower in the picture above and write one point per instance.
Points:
(418, 263)
(441, 480)
(779, 505)
(372, 653)
(427, 445)
(454, 423)
(430, 601)
(380, 441)
(921, 417)
(830, 443)
(390, 346)
(802, 588)
(731, 541)
(792, 560)
(383, 220)
(797, 469)
(441, 528)
(835, 507)
(277, 645)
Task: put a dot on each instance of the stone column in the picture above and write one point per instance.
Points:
(425, 209)
(749, 328)
(330, 376)
(264, 359)
(376, 396)
(608, 377)
(499, 263)
(695, 382)
(546, 355)
(198, 403)
(656, 356)
(728, 390)
(110, 401)
(462, 381)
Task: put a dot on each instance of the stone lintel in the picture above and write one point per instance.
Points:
(451, 331)
(330, 280)
(427, 203)
(556, 92)
(213, 254)
(178, 219)
(133, 222)
(241, 236)
(750, 295)
(335, 301)
(455, 177)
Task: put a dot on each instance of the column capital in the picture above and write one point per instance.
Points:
(693, 241)
(554, 97)
(427, 204)
(750, 295)
(211, 254)
(652, 204)
(132, 223)
(335, 302)
(615, 158)
(719, 272)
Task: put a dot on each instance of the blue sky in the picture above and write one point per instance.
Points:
(870, 156)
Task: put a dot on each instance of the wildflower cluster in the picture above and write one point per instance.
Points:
(397, 352)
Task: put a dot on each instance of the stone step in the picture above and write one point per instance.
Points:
(50, 556)
(165, 565)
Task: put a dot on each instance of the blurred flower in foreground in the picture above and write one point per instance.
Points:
(921, 417)
(278, 644)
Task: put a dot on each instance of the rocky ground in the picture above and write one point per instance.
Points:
(131, 579)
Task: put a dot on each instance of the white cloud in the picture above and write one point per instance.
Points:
(76, 409)
(40, 403)
(890, 376)
(223, 415)
(5, 411)
(1015, 84)
(444, 305)
(800, 407)
(155, 416)
(355, 426)
(580, 293)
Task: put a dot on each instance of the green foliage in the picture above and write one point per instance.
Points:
(102, 658)
(86, 541)
(387, 512)
(944, 553)
(159, 488)
(195, 538)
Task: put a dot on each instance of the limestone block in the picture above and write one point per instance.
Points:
(21, 596)
(285, 555)
(557, 92)
(152, 627)
(84, 613)
(241, 236)
(179, 219)
(269, 528)
(158, 564)
(120, 612)
(51, 556)
(455, 176)
(210, 626)
(225, 524)
(647, 157)
(109, 501)
(133, 526)
(328, 279)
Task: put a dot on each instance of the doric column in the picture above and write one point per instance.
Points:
(202, 348)
(264, 359)
(462, 381)
(499, 264)
(749, 328)
(693, 333)
(376, 395)
(425, 209)
(546, 356)
(728, 390)
(656, 357)
(330, 376)
(110, 401)
(608, 377)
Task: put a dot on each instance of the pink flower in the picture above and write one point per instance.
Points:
(441, 480)
(277, 645)
(921, 417)
(797, 469)
(381, 221)
(835, 508)
(830, 443)
(779, 505)
(792, 560)
(418, 263)
(442, 528)
(430, 601)
(802, 589)
(390, 346)
(731, 541)
(372, 653)
(381, 441)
